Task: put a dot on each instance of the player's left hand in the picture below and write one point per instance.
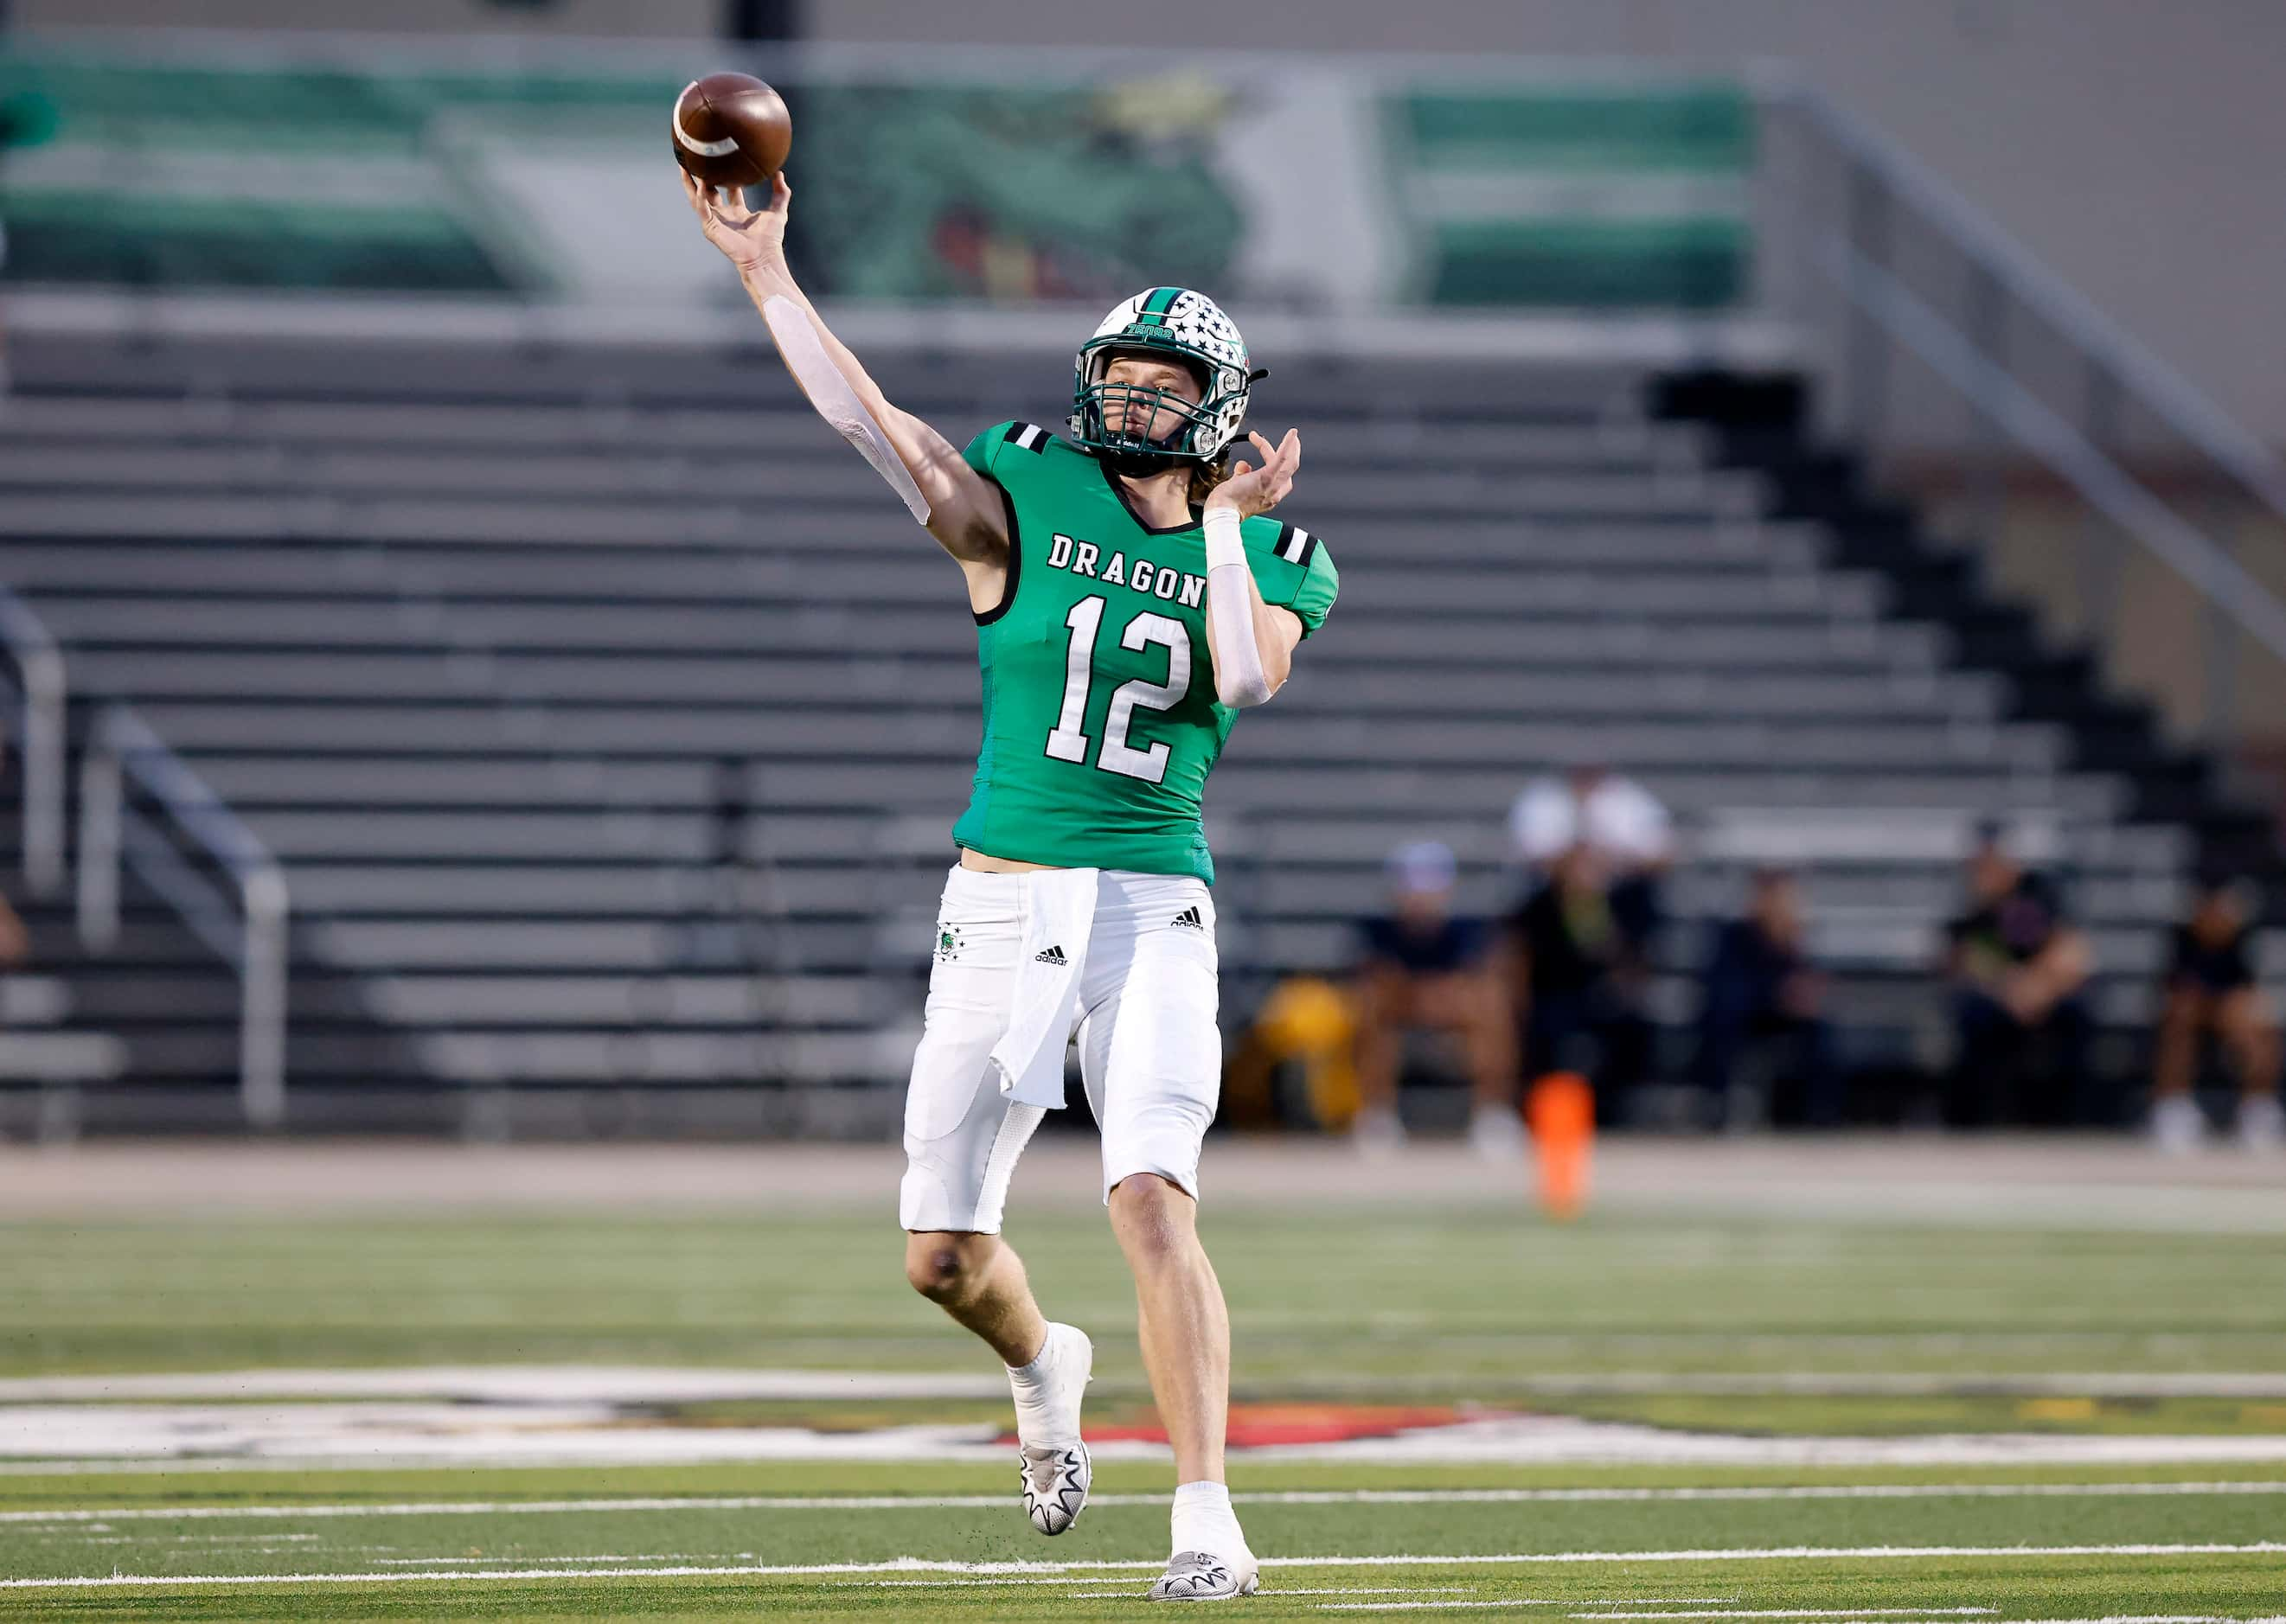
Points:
(1252, 491)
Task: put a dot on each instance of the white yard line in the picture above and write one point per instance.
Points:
(909, 1564)
(517, 1385)
(113, 1438)
(672, 1385)
(1289, 1497)
(2093, 1384)
(489, 1561)
(1808, 1612)
(1128, 1595)
(1505, 1601)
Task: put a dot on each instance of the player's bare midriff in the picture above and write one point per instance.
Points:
(988, 864)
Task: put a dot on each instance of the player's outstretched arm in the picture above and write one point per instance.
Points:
(962, 510)
(1252, 642)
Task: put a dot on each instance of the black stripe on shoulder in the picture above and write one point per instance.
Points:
(1295, 546)
(1030, 437)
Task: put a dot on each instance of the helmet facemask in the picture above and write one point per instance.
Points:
(1105, 407)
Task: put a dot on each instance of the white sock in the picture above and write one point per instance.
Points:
(1046, 1414)
(1204, 1521)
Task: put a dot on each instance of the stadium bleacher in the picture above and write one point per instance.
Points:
(499, 649)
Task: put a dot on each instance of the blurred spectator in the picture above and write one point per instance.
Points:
(722, 928)
(1424, 967)
(2016, 964)
(27, 119)
(1763, 1005)
(2211, 993)
(1617, 819)
(1576, 974)
(15, 941)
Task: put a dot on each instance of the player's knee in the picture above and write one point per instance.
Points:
(940, 1267)
(1152, 1217)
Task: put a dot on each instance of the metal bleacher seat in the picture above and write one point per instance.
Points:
(497, 648)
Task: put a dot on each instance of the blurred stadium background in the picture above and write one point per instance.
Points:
(460, 690)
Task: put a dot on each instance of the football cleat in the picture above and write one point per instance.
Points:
(1195, 1576)
(1056, 1469)
(1055, 1477)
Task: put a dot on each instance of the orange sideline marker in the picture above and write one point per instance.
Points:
(1561, 1110)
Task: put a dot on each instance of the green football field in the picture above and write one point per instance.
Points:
(656, 1407)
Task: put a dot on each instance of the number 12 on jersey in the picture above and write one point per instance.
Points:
(1066, 741)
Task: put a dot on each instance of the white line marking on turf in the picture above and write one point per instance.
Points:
(2093, 1384)
(1505, 1601)
(920, 1565)
(199, 1438)
(1291, 1497)
(1128, 1595)
(672, 1556)
(517, 1385)
(1808, 1613)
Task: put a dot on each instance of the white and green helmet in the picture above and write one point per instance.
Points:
(1184, 326)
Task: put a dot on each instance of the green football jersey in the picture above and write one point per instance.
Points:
(1100, 721)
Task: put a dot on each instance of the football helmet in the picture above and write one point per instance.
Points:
(1184, 326)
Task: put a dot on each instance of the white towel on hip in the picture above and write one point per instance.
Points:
(1059, 911)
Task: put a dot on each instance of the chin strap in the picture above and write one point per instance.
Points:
(836, 402)
(1140, 464)
(1240, 681)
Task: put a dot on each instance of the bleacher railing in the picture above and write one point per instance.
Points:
(39, 672)
(1954, 356)
(195, 852)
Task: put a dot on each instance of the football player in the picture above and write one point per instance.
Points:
(1132, 596)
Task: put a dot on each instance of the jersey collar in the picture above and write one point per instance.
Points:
(1120, 491)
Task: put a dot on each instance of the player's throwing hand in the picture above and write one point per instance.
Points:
(749, 238)
(1253, 491)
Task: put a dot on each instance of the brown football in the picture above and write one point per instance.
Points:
(731, 130)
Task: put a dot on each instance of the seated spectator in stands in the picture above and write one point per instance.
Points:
(1424, 967)
(15, 941)
(2211, 992)
(1763, 1003)
(2016, 964)
(1618, 819)
(27, 119)
(1576, 973)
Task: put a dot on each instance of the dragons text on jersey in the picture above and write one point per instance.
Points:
(1100, 721)
(1086, 558)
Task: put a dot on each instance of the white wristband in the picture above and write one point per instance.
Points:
(1225, 538)
(1240, 679)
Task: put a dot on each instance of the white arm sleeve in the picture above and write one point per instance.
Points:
(836, 402)
(1239, 677)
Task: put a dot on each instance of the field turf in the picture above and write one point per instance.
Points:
(1975, 1343)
